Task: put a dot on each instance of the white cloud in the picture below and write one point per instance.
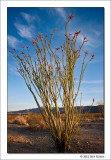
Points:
(61, 12)
(93, 82)
(12, 69)
(13, 41)
(97, 33)
(29, 18)
(93, 41)
(25, 31)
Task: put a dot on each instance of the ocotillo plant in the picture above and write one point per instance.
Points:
(52, 78)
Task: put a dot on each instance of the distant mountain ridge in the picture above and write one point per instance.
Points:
(94, 109)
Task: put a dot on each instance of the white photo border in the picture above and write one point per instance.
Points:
(4, 5)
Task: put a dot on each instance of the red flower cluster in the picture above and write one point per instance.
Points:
(27, 46)
(70, 34)
(93, 55)
(55, 29)
(74, 36)
(71, 16)
(22, 52)
(85, 38)
(57, 48)
(45, 35)
(40, 34)
(33, 42)
(86, 53)
(77, 33)
(67, 37)
(76, 51)
(80, 47)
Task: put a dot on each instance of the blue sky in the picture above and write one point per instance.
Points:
(25, 23)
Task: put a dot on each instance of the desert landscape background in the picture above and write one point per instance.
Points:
(27, 132)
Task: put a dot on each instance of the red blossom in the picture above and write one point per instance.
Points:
(86, 41)
(17, 56)
(93, 99)
(80, 47)
(71, 16)
(14, 49)
(55, 29)
(70, 34)
(93, 55)
(84, 37)
(22, 59)
(22, 46)
(20, 70)
(86, 53)
(76, 51)
(62, 48)
(76, 33)
(40, 34)
(27, 46)
(10, 51)
(67, 37)
(57, 48)
(33, 42)
(45, 35)
(22, 52)
(51, 72)
(74, 36)
(35, 39)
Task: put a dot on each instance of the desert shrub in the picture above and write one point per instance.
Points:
(52, 77)
(101, 108)
(21, 120)
(36, 122)
(10, 118)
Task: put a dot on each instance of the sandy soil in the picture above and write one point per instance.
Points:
(20, 139)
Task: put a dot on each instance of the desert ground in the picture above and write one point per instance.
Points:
(28, 134)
